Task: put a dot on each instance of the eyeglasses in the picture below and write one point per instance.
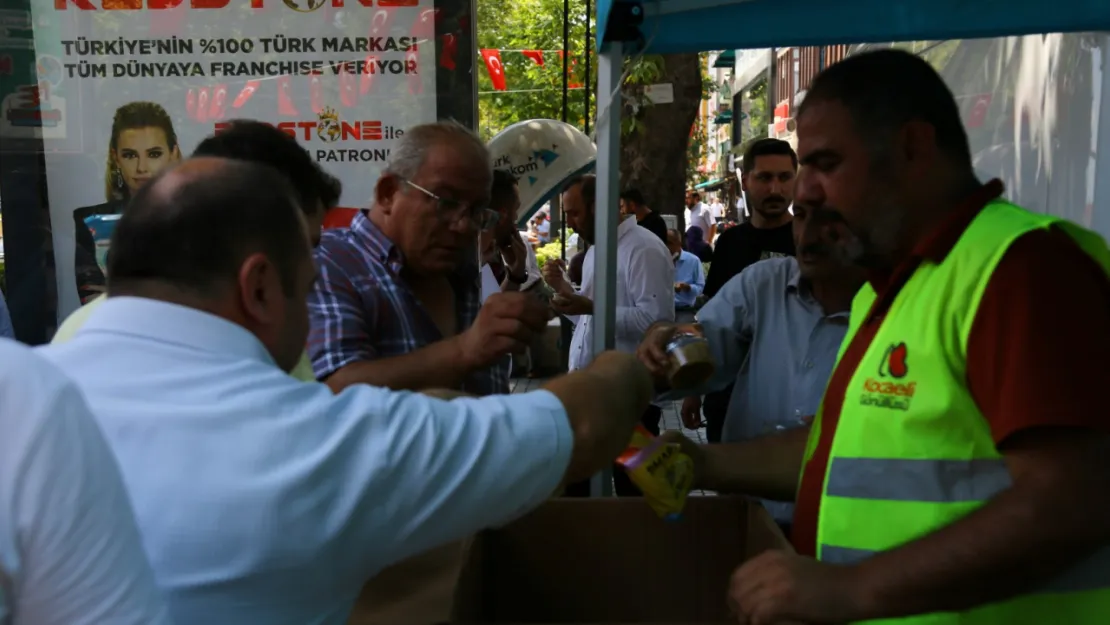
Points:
(450, 211)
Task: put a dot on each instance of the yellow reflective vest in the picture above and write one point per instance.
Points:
(912, 453)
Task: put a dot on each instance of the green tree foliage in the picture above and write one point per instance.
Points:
(532, 91)
(655, 137)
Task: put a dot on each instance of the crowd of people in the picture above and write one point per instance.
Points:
(259, 422)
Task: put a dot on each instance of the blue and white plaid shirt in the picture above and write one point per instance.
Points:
(362, 308)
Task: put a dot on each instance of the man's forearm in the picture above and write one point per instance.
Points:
(603, 402)
(1016, 543)
(766, 467)
(438, 365)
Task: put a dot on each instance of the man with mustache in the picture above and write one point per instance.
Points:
(767, 175)
(958, 469)
(774, 331)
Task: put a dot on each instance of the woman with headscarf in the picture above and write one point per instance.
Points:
(142, 143)
(696, 245)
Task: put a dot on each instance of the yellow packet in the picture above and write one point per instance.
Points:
(662, 472)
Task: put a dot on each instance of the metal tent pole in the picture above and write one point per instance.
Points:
(589, 48)
(609, 69)
(1100, 202)
(566, 94)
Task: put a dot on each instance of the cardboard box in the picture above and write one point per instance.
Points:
(612, 561)
(417, 591)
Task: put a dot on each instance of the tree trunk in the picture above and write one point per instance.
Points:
(654, 159)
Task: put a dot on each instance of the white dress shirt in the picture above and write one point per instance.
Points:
(263, 499)
(70, 553)
(645, 291)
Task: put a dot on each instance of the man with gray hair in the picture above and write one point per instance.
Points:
(398, 302)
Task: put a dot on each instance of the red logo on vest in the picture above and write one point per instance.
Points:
(884, 392)
(894, 362)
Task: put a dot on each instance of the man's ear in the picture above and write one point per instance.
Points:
(917, 145)
(260, 288)
(388, 186)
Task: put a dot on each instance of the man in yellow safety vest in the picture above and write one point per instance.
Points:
(958, 470)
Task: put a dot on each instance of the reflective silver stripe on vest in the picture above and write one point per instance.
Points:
(934, 481)
(1093, 573)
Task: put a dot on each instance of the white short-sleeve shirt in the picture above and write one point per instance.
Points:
(701, 217)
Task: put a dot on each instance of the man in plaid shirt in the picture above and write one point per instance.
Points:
(398, 301)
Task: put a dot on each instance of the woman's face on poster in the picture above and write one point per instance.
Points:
(141, 153)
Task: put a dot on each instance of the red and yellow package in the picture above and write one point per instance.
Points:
(662, 472)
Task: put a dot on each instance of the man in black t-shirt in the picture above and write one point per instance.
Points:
(632, 203)
(769, 169)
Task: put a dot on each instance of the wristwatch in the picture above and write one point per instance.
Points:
(515, 280)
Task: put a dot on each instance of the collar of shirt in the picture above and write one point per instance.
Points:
(799, 286)
(935, 246)
(376, 242)
(626, 225)
(170, 323)
(686, 257)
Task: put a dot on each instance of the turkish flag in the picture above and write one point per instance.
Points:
(535, 55)
(316, 91)
(416, 83)
(424, 28)
(979, 109)
(219, 102)
(570, 73)
(246, 93)
(202, 104)
(449, 52)
(380, 23)
(367, 80)
(285, 99)
(495, 68)
(191, 103)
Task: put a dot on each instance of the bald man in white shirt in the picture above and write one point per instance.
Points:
(267, 500)
(69, 550)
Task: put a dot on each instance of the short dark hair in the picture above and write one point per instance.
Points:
(259, 142)
(695, 195)
(503, 184)
(331, 190)
(588, 182)
(884, 89)
(633, 195)
(194, 232)
(767, 147)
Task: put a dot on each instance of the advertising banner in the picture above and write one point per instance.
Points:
(125, 88)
